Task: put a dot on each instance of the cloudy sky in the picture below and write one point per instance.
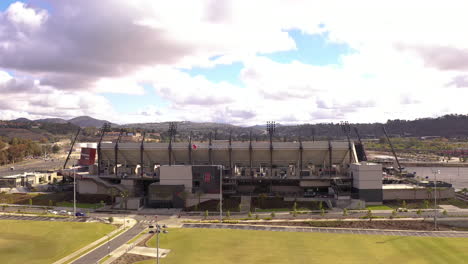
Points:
(241, 62)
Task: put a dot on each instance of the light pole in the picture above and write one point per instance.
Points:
(435, 197)
(220, 193)
(159, 229)
(74, 191)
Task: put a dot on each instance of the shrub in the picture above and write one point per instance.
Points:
(403, 204)
(250, 214)
(257, 217)
(426, 204)
(295, 206)
(30, 202)
(444, 212)
(294, 213)
(322, 212)
(206, 214)
(419, 212)
(345, 212)
(228, 214)
(111, 219)
(273, 215)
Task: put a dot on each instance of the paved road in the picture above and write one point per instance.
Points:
(43, 218)
(333, 230)
(103, 250)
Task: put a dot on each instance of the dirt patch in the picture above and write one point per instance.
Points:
(388, 225)
(130, 258)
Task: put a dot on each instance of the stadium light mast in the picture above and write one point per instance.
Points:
(346, 128)
(172, 132)
(271, 127)
(105, 128)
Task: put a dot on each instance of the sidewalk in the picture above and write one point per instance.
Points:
(79, 253)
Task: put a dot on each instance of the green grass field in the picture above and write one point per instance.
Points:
(378, 207)
(40, 242)
(211, 246)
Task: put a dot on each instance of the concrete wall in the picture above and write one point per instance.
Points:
(367, 181)
(416, 194)
(176, 175)
(90, 187)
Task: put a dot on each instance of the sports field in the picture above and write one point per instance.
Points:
(45, 242)
(212, 246)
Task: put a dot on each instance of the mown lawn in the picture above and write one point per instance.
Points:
(38, 242)
(212, 246)
(378, 207)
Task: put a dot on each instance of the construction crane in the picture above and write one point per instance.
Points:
(71, 148)
(400, 169)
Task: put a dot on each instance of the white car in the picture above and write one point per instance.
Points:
(52, 212)
(63, 212)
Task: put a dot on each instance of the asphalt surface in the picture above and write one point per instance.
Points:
(333, 230)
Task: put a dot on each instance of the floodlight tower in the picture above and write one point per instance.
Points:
(271, 127)
(312, 132)
(105, 128)
(172, 132)
(346, 128)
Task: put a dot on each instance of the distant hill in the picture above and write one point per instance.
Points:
(87, 121)
(22, 120)
(52, 120)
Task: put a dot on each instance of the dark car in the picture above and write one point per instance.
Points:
(80, 214)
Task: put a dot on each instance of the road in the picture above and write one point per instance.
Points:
(102, 251)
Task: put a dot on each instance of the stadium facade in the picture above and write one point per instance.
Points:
(166, 174)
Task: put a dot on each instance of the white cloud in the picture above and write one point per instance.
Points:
(409, 59)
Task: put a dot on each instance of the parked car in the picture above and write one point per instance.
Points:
(150, 226)
(80, 214)
(151, 232)
(52, 212)
(63, 212)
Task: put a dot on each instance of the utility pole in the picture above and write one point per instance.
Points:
(172, 131)
(74, 191)
(220, 167)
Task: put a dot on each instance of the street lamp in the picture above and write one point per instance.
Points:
(74, 191)
(435, 172)
(159, 229)
(220, 193)
(108, 245)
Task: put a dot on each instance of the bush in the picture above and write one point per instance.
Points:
(228, 214)
(322, 212)
(206, 214)
(345, 212)
(111, 219)
(257, 216)
(273, 215)
(444, 212)
(250, 214)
